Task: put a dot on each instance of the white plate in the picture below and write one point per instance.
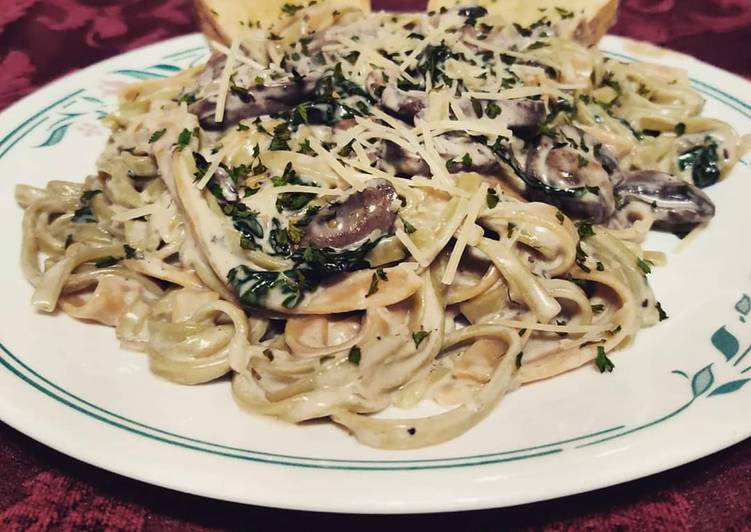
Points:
(678, 394)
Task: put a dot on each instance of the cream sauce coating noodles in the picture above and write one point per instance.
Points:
(356, 211)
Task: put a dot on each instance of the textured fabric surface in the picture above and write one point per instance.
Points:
(41, 489)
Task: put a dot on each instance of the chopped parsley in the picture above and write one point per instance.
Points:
(584, 229)
(106, 262)
(472, 14)
(661, 312)
(491, 198)
(188, 98)
(680, 128)
(643, 265)
(492, 110)
(183, 138)
(408, 227)
(477, 107)
(355, 355)
(602, 361)
(419, 336)
(156, 135)
(291, 201)
(537, 44)
(291, 9)
(130, 252)
(305, 148)
(564, 13)
(280, 140)
(519, 357)
(378, 275)
(373, 288)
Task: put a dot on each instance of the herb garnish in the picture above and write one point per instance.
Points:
(472, 14)
(419, 336)
(491, 198)
(130, 252)
(492, 110)
(156, 135)
(183, 138)
(291, 9)
(477, 107)
(373, 285)
(354, 355)
(602, 361)
(564, 13)
(408, 227)
(106, 262)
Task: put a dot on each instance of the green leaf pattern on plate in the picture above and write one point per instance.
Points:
(95, 108)
(725, 342)
(702, 381)
(729, 387)
(56, 136)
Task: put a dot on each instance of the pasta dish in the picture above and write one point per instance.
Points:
(348, 211)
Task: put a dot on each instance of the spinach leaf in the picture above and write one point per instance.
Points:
(704, 163)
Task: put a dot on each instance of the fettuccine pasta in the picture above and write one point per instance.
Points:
(353, 211)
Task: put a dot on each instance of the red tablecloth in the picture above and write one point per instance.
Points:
(41, 489)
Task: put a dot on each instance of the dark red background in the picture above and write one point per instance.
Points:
(40, 489)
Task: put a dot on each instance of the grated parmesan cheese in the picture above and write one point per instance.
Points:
(221, 100)
(473, 209)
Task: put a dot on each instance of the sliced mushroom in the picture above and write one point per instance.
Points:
(256, 101)
(398, 161)
(520, 115)
(370, 212)
(460, 152)
(403, 104)
(674, 202)
(570, 175)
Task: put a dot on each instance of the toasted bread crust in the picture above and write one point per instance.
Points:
(589, 32)
(208, 23)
